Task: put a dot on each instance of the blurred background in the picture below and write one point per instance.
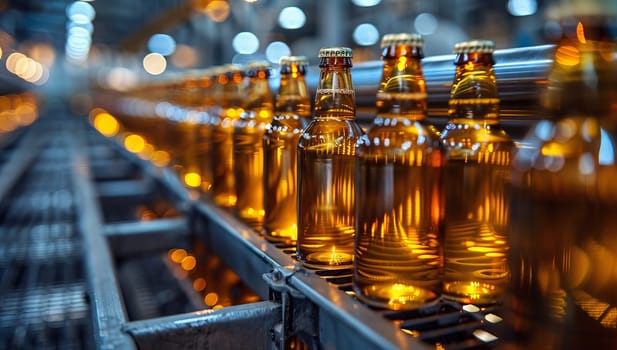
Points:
(61, 46)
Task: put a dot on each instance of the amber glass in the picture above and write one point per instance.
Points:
(232, 106)
(398, 255)
(326, 166)
(292, 115)
(564, 202)
(478, 154)
(248, 147)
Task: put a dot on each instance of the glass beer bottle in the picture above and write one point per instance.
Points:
(291, 115)
(398, 254)
(248, 146)
(563, 229)
(223, 185)
(206, 100)
(326, 166)
(478, 156)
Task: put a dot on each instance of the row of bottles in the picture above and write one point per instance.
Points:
(420, 213)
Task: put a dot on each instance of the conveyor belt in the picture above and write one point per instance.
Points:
(43, 294)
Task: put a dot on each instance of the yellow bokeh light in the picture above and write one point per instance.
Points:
(154, 63)
(160, 158)
(134, 143)
(211, 299)
(106, 124)
(217, 10)
(199, 284)
(192, 179)
(188, 263)
(176, 255)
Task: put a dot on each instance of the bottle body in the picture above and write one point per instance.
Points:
(398, 253)
(280, 152)
(326, 203)
(477, 172)
(399, 211)
(223, 125)
(248, 150)
(477, 216)
(563, 220)
(326, 167)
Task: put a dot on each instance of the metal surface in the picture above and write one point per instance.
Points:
(237, 327)
(108, 312)
(42, 283)
(146, 237)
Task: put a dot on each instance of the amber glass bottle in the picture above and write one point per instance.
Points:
(326, 166)
(249, 148)
(398, 256)
(478, 155)
(232, 106)
(291, 115)
(205, 101)
(564, 230)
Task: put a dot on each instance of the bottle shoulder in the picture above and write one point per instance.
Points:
(327, 131)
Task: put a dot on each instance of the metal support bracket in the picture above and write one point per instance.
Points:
(300, 317)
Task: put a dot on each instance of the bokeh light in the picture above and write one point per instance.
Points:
(522, 7)
(134, 143)
(425, 23)
(154, 63)
(106, 124)
(366, 3)
(162, 44)
(275, 50)
(366, 34)
(245, 43)
(292, 18)
(184, 56)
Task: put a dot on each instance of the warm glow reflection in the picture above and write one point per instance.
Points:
(211, 299)
(134, 143)
(217, 10)
(580, 33)
(188, 263)
(567, 56)
(160, 158)
(192, 179)
(176, 255)
(106, 124)
(199, 284)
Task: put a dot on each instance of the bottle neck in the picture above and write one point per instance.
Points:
(402, 90)
(335, 96)
(474, 90)
(293, 94)
(233, 86)
(259, 96)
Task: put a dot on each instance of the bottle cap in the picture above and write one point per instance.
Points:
(299, 60)
(481, 46)
(258, 65)
(410, 39)
(335, 52)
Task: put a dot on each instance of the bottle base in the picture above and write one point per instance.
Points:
(328, 260)
(396, 296)
(470, 292)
